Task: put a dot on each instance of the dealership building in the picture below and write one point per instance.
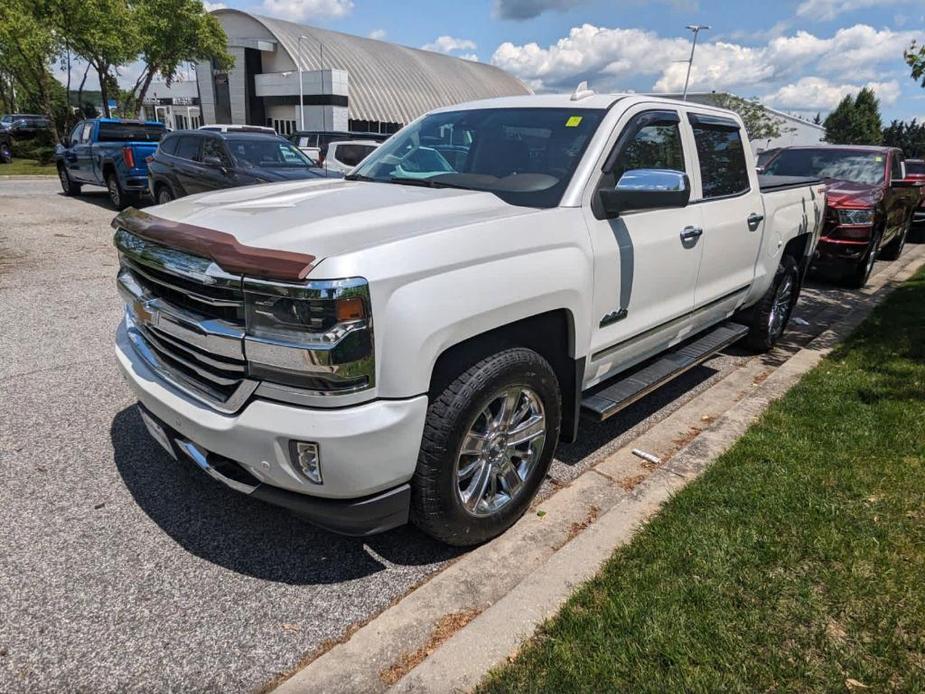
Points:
(347, 82)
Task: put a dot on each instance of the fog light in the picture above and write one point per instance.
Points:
(306, 455)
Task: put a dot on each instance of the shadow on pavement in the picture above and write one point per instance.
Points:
(245, 535)
(100, 198)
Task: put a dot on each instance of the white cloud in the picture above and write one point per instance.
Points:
(830, 9)
(212, 6)
(307, 9)
(818, 94)
(377, 34)
(448, 44)
(608, 58)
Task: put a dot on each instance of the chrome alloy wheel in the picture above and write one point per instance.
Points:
(114, 194)
(499, 451)
(780, 309)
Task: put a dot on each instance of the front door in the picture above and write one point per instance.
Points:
(646, 261)
(732, 215)
(80, 163)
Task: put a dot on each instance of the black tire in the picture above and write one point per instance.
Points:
(769, 317)
(118, 197)
(67, 185)
(894, 248)
(917, 233)
(164, 194)
(6, 154)
(856, 277)
(436, 504)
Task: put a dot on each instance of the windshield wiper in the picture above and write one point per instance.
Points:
(426, 183)
(361, 177)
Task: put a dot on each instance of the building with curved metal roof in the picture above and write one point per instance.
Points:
(346, 82)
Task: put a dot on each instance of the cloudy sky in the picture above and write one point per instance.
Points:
(800, 56)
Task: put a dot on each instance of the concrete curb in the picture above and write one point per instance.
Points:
(578, 529)
(26, 177)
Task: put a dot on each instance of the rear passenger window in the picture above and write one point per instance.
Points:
(188, 147)
(168, 145)
(723, 170)
(896, 168)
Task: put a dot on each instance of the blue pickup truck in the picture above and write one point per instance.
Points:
(108, 152)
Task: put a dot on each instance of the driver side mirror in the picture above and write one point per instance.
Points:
(646, 189)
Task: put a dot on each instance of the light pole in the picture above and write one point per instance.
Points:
(301, 89)
(696, 28)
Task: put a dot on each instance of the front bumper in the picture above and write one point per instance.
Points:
(831, 253)
(368, 451)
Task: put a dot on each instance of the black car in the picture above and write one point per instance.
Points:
(6, 147)
(24, 126)
(197, 161)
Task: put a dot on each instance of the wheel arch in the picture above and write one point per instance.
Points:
(550, 334)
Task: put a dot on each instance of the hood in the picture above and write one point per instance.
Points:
(330, 217)
(851, 194)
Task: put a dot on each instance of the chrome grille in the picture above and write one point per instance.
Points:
(185, 317)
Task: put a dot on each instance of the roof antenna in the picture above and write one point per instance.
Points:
(582, 92)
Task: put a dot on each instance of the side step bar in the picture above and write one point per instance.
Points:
(628, 388)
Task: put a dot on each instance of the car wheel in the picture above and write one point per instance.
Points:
(895, 248)
(858, 276)
(488, 441)
(67, 185)
(116, 195)
(6, 154)
(164, 195)
(770, 316)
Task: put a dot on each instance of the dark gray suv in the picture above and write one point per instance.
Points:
(198, 161)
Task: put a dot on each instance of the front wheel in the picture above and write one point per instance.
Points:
(856, 277)
(164, 195)
(770, 316)
(6, 154)
(894, 248)
(67, 185)
(489, 439)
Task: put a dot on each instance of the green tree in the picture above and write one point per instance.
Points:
(915, 58)
(28, 47)
(101, 32)
(855, 121)
(909, 137)
(173, 32)
(760, 124)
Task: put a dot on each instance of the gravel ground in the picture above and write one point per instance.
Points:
(121, 569)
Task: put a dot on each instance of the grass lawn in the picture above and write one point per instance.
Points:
(27, 167)
(796, 563)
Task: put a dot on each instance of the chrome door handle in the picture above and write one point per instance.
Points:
(691, 233)
(754, 219)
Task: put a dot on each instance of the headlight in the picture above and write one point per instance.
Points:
(856, 216)
(316, 335)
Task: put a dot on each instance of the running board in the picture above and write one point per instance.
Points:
(627, 389)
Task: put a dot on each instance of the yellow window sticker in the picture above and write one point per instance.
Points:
(573, 122)
(878, 159)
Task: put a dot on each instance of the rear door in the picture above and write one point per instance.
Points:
(645, 261)
(727, 194)
(186, 169)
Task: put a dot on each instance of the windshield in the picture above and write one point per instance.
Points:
(130, 132)
(842, 164)
(268, 153)
(525, 156)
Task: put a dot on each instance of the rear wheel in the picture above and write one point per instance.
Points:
(770, 316)
(488, 441)
(67, 185)
(119, 198)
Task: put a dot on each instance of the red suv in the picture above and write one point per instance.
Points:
(869, 208)
(915, 171)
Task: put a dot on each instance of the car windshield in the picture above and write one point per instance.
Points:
(525, 156)
(916, 168)
(130, 132)
(268, 153)
(855, 166)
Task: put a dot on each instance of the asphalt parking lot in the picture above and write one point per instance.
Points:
(121, 569)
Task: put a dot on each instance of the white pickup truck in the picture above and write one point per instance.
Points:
(412, 342)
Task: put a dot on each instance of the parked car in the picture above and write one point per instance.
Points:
(315, 142)
(586, 251)
(227, 128)
(915, 171)
(870, 204)
(343, 156)
(764, 157)
(108, 152)
(24, 126)
(6, 147)
(197, 161)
